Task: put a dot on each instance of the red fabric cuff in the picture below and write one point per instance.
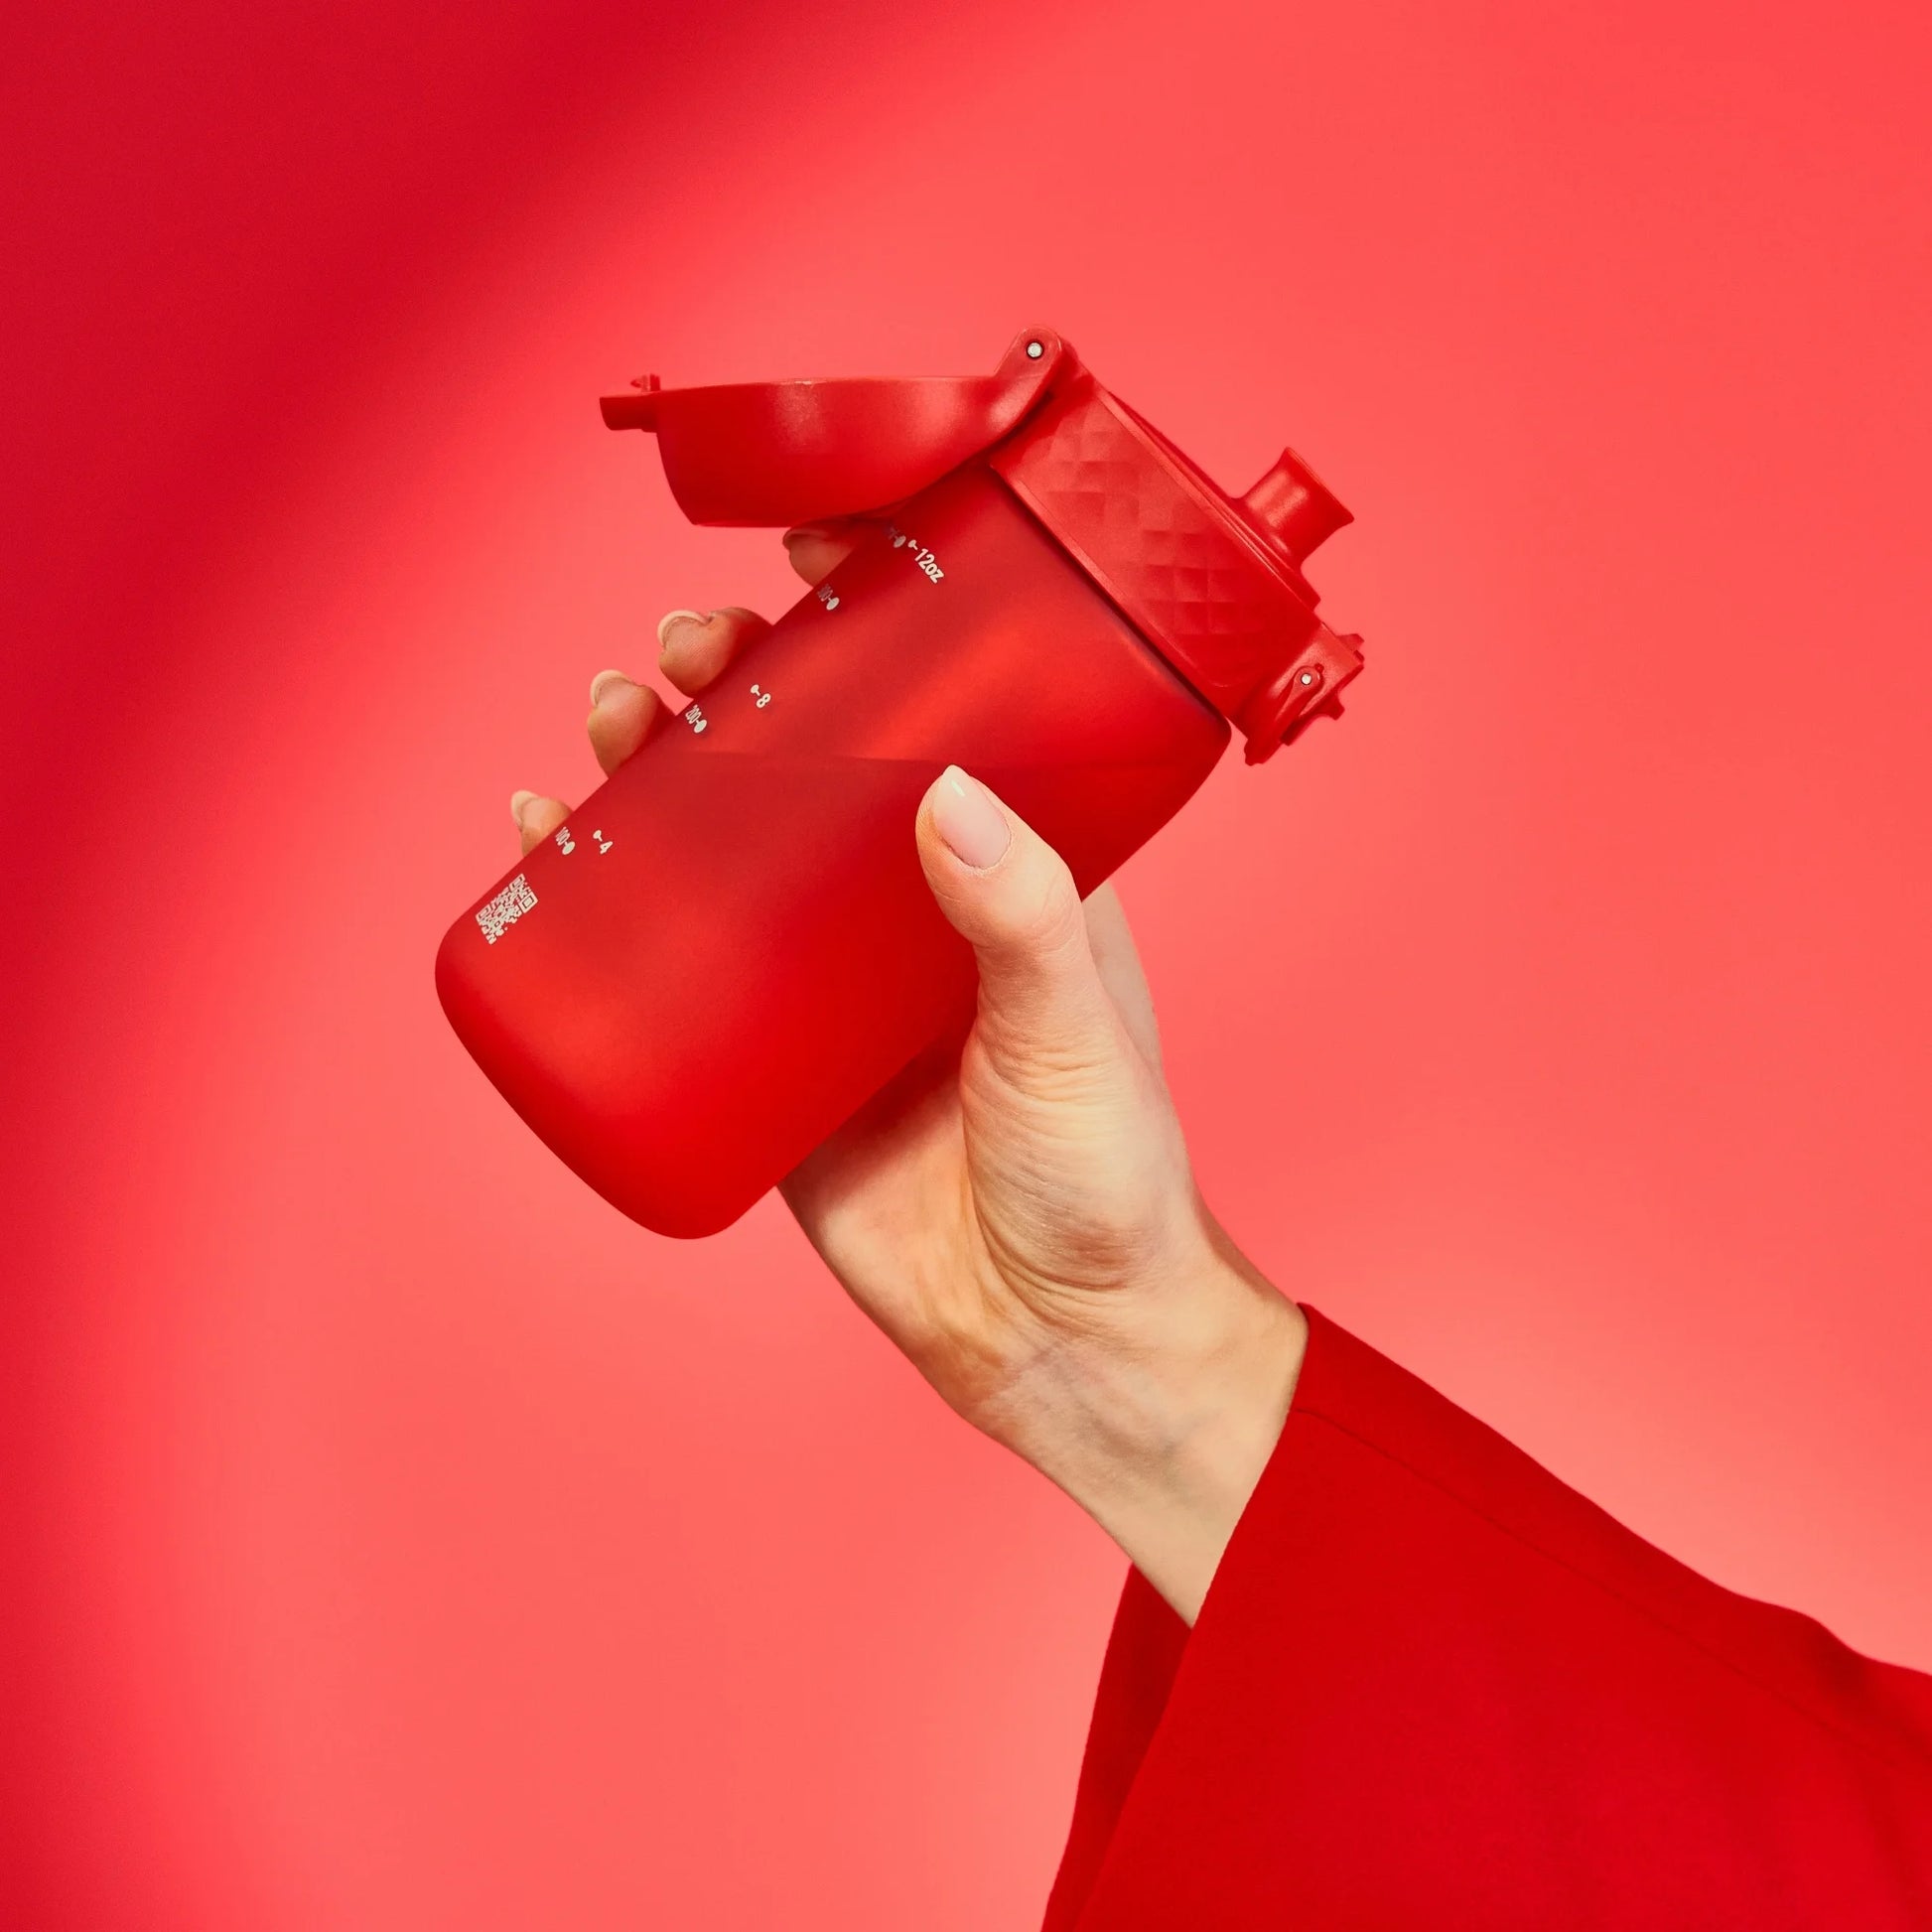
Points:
(1431, 1685)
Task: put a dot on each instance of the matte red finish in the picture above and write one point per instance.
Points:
(730, 946)
(734, 946)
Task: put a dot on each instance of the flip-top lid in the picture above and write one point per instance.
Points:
(776, 454)
(1214, 581)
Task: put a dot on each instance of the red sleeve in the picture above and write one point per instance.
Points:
(1433, 1687)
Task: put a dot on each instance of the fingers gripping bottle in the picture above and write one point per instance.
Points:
(730, 946)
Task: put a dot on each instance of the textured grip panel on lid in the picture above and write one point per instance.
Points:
(1182, 560)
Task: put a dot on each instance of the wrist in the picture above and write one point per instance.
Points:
(1160, 1426)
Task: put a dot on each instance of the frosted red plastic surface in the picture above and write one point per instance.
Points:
(732, 946)
(684, 1016)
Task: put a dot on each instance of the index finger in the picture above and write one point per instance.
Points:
(815, 549)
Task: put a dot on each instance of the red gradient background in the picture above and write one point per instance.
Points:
(396, 1537)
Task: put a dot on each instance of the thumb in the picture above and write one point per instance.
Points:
(1043, 1008)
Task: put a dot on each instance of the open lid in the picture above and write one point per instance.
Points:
(779, 454)
(1213, 581)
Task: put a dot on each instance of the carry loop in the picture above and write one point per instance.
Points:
(779, 454)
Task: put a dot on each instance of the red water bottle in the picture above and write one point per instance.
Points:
(731, 945)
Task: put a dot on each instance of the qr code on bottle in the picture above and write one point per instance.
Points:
(506, 908)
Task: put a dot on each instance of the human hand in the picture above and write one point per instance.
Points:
(1017, 1212)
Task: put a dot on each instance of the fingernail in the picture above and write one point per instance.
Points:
(970, 820)
(520, 802)
(817, 532)
(605, 685)
(677, 617)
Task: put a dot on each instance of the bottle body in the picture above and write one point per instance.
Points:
(732, 946)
